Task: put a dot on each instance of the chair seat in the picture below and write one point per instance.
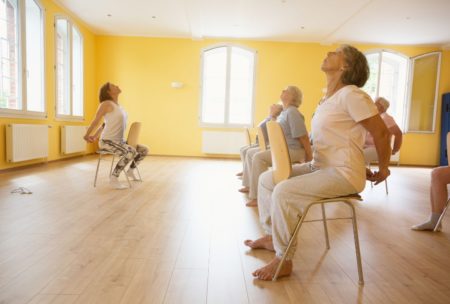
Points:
(104, 152)
(355, 196)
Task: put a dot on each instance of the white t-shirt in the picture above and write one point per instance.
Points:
(338, 138)
(115, 124)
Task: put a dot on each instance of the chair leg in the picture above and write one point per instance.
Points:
(139, 174)
(291, 242)
(386, 186)
(357, 248)
(112, 164)
(436, 228)
(128, 179)
(325, 226)
(96, 171)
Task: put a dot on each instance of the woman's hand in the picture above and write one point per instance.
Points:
(377, 176)
(89, 139)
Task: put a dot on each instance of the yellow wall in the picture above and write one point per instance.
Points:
(89, 87)
(145, 67)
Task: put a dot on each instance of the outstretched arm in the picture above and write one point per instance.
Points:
(103, 108)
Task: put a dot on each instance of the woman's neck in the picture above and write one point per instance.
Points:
(334, 84)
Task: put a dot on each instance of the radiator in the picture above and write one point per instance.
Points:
(72, 139)
(214, 142)
(25, 142)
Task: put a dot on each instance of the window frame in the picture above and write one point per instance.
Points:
(226, 124)
(71, 25)
(412, 61)
(22, 66)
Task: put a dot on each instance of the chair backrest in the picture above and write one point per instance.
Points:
(133, 134)
(448, 147)
(247, 136)
(261, 140)
(281, 161)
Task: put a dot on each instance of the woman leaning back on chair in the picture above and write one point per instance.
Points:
(339, 125)
(112, 134)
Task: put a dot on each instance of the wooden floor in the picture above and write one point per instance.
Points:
(177, 238)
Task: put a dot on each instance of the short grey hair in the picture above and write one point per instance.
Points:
(297, 95)
(357, 70)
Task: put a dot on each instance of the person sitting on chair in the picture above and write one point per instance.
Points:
(293, 124)
(440, 177)
(370, 153)
(275, 110)
(339, 126)
(112, 134)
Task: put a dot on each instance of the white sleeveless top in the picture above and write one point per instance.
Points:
(115, 124)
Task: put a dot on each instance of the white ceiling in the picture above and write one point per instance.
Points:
(325, 21)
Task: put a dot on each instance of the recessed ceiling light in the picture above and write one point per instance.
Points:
(302, 27)
(109, 15)
(153, 17)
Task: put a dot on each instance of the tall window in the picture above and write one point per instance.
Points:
(69, 70)
(21, 58)
(388, 79)
(227, 86)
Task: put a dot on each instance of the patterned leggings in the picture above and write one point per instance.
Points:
(125, 152)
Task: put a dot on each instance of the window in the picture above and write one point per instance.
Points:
(388, 79)
(21, 58)
(69, 70)
(227, 86)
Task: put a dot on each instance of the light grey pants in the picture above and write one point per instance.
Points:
(248, 165)
(279, 205)
(243, 153)
(262, 161)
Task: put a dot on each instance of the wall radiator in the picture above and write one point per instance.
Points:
(72, 139)
(215, 142)
(25, 142)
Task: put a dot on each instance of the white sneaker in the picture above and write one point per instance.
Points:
(131, 175)
(115, 184)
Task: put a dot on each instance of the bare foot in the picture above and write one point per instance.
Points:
(267, 272)
(264, 242)
(252, 203)
(239, 174)
(244, 190)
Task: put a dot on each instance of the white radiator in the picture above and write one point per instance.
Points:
(214, 142)
(72, 139)
(25, 142)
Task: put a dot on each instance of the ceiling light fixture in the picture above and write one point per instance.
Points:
(109, 15)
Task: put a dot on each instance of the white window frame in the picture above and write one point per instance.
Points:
(22, 67)
(71, 25)
(227, 102)
(407, 86)
(436, 93)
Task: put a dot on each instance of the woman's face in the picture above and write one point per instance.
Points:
(114, 90)
(334, 61)
(286, 96)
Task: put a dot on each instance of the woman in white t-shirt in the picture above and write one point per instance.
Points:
(339, 126)
(112, 134)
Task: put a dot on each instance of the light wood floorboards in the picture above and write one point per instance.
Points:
(177, 238)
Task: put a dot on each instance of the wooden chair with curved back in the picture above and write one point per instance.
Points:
(282, 170)
(132, 140)
(261, 139)
(438, 224)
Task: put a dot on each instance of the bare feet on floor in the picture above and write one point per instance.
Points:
(252, 203)
(264, 242)
(239, 174)
(267, 272)
(244, 190)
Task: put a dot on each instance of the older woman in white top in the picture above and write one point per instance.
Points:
(112, 134)
(339, 126)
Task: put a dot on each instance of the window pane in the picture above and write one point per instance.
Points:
(371, 86)
(62, 67)
(34, 60)
(9, 55)
(423, 94)
(214, 85)
(393, 83)
(241, 86)
(77, 73)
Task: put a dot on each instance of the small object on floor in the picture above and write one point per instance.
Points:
(22, 190)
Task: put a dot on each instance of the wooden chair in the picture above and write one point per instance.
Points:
(132, 140)
(282, 170)
(436, 228)
(248, 138)
(261, 140)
